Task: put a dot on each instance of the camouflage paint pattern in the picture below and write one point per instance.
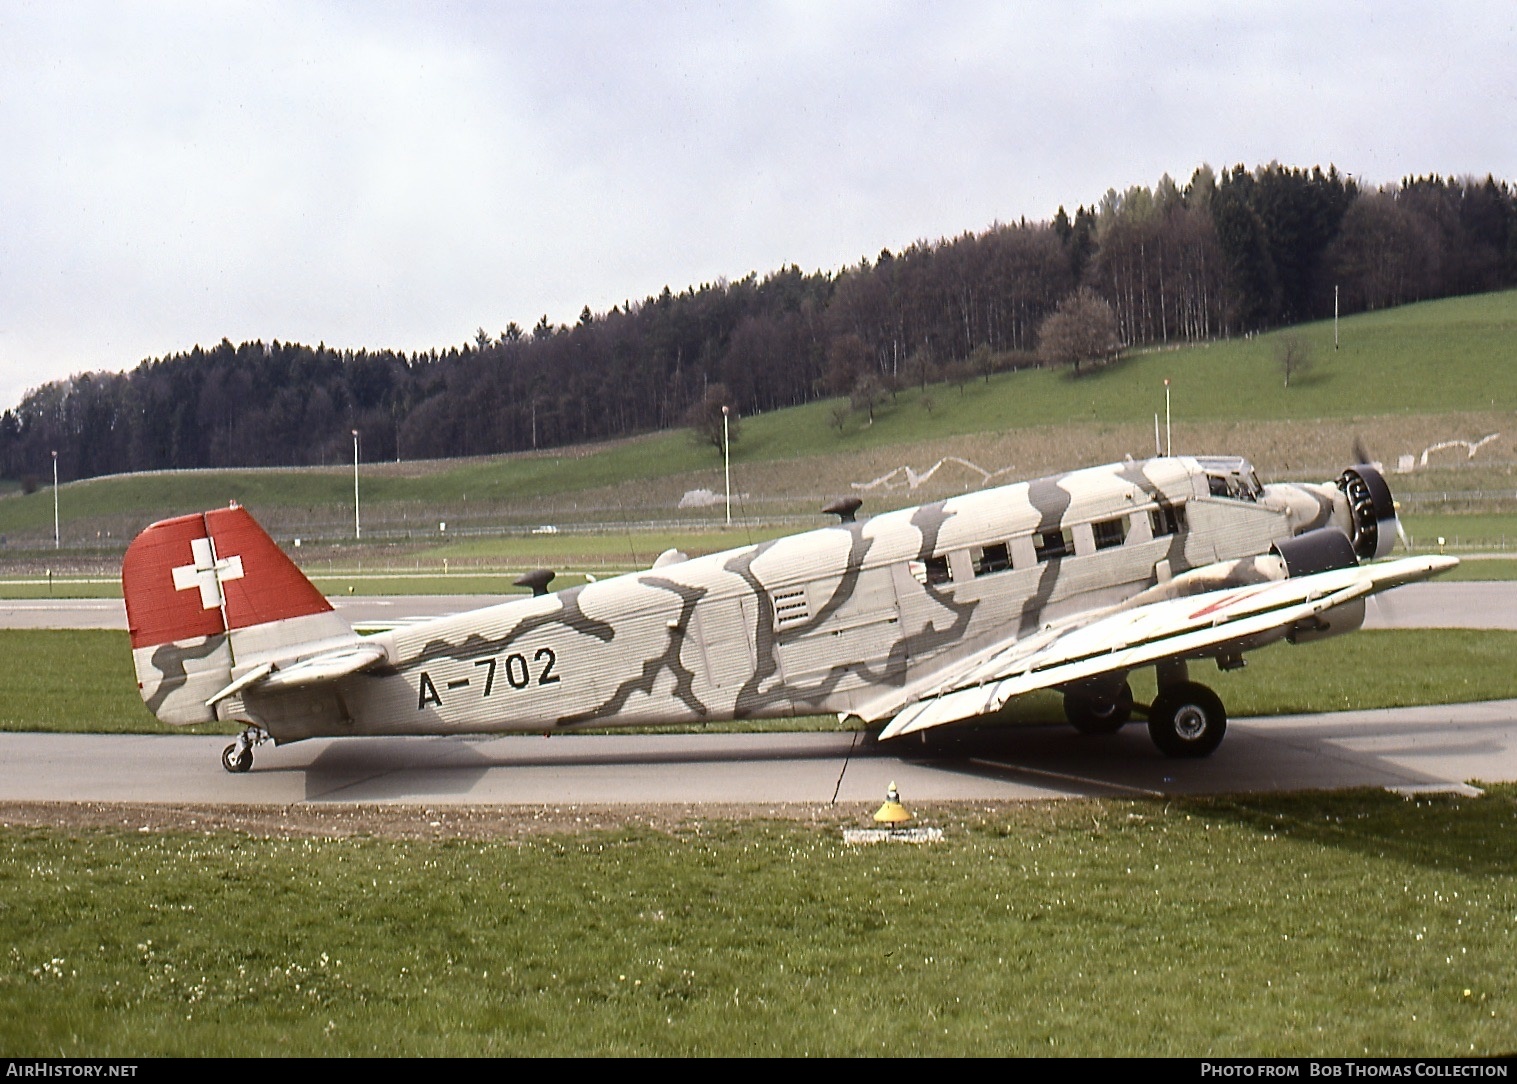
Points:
(853, 618)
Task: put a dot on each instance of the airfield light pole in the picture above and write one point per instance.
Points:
(57, 538)
(357, 532)
(1169, 444)
(727, 464)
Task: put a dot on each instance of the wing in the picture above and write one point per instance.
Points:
(1124, 639)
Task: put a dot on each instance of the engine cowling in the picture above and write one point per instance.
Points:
(1372, 511)
(1322, 550)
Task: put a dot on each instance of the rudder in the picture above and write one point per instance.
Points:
(208, 596)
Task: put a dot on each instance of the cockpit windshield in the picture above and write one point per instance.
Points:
(1232, 478)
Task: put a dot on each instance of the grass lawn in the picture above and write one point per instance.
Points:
(1346, 925)
(1464, 531)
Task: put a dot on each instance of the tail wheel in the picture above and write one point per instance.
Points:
(237, 757)
(1092, 714)
(1187, 720)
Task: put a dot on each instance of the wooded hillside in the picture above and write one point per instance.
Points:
(1223, 255)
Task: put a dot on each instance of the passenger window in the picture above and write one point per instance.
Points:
(932, 571)
(992, 558)
(1109, 533)
(1167, 519)
(1051, 545)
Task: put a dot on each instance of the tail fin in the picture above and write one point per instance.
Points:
(210, 596)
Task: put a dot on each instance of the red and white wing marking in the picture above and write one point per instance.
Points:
(1126, 639)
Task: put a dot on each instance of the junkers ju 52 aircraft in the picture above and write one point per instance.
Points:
(917, 618)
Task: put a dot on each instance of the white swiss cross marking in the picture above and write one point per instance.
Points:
(207, 573)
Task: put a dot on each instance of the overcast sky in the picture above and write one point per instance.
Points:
(398, 175)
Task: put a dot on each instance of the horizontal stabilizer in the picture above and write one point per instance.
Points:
(330, 666)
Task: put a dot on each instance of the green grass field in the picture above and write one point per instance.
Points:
(1345, 925)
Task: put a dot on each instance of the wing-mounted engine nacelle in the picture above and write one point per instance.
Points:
(1370, 511)
(1322, 550)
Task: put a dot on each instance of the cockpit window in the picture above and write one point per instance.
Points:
(1239, 483)
(1230, 477)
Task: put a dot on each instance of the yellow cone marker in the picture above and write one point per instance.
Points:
(892, 812)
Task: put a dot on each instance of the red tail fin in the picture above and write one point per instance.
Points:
(182, 575)
(210, 594)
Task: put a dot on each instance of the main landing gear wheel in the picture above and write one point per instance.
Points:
(1187, 720)
(1091, 714)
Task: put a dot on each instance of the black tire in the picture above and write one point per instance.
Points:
(1187, 720)
(1093, 715)
(232, 762)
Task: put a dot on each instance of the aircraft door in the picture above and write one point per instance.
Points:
(724, 633)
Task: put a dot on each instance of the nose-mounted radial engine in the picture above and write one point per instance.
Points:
(1373, 526)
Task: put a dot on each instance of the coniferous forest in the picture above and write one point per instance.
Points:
(1222, 255)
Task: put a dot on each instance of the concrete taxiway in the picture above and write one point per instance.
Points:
(1427, 748)
(1408, 747)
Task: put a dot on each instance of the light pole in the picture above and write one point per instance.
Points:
(1335, 317)
(57, 538)
(1169, 445)
(357, 532)
(727, 464)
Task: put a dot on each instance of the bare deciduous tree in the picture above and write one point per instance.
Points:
(1082, 329)
(868, 393)
(1292, 354)
(705, 418)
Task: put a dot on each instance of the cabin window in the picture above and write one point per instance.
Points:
(1109, 532)
(1167, 519)
(992, 558)
(1052, 545)
(790, 608)
(932, 571)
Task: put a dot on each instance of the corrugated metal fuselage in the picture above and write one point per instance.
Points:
(839, 619)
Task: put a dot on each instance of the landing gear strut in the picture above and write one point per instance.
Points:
(238, 757)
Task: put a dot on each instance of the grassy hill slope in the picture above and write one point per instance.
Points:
(1401, 381)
